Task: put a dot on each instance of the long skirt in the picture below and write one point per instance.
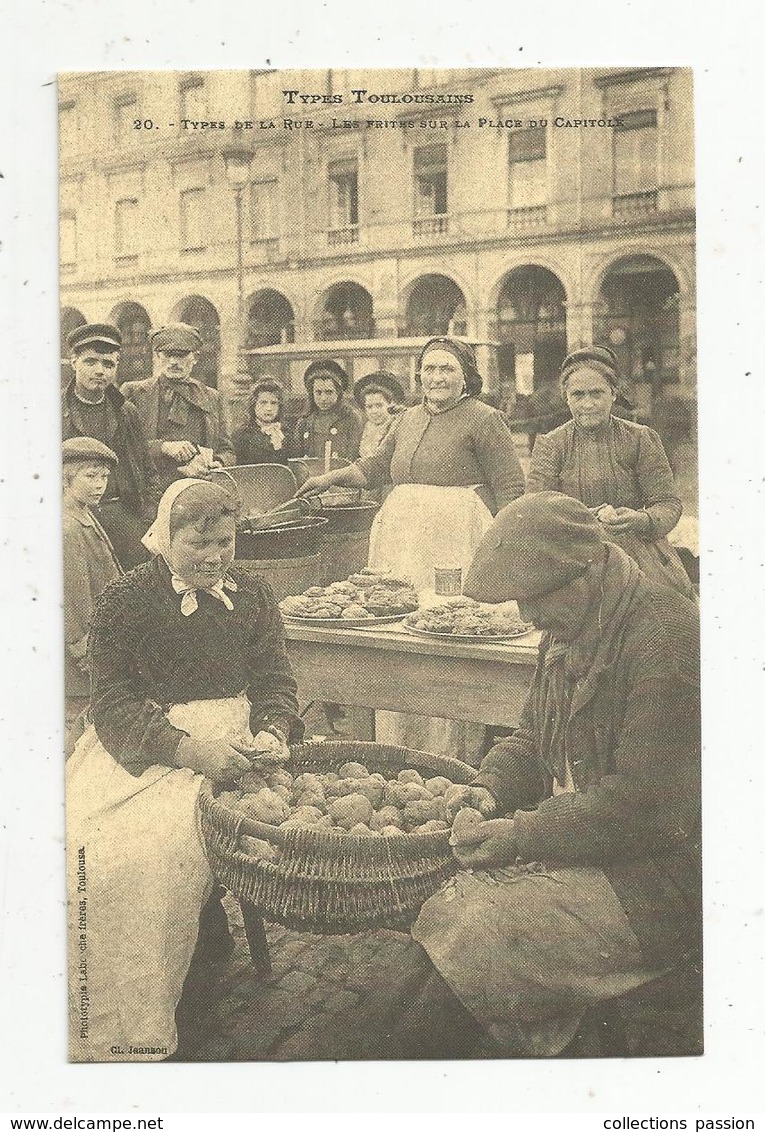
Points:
(137, 880)
(529, 953)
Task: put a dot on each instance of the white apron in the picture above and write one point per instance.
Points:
(137, 880)
(418, 528)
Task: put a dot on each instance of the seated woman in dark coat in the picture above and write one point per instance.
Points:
(263, 440)
(187, 658)
(618, 468)
(588, 886)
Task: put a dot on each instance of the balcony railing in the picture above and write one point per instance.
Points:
(636, 204)
(525, 219)
(349, 234)
(430, 226)
(265, 249)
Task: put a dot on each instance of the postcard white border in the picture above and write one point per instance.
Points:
(721, 44)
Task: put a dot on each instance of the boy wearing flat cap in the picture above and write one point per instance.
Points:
(596, 796)
(93, 406)
(90, 564)
(183, 418)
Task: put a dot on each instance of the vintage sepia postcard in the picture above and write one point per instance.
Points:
(381, 564)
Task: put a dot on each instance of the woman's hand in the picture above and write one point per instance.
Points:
(215, 759)
(314, 485)
(272, 745)
(486, 844)
(469, 797)
(625, 521)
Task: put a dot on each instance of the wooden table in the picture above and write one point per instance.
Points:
(387, 668)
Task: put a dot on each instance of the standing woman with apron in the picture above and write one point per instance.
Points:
(453, 465)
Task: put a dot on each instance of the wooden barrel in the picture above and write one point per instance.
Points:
(345, 542)
(343, 554)
(285, 576)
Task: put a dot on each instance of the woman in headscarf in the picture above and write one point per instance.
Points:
(380, 396)
(451, 439)
(617, 468)
(263, 440)
(586, 883)
(187, 657)
(329, 419)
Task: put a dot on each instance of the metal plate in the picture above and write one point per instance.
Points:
(347, 622)
(474, 638)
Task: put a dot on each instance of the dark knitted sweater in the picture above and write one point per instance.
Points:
(146, 656)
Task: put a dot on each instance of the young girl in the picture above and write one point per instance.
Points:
(263, 440)
(186, 653)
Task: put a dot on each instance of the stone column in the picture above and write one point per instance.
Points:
(687, 332)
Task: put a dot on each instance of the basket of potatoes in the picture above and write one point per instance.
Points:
(345, 837)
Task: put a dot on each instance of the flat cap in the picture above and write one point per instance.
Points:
(94, 333)
(87, 448)
(176, 336)
(537, 544)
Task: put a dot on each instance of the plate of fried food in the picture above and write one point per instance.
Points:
(462, 619)
(371, 597)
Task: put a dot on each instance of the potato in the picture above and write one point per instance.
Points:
(393, 795)
(362, 830)
(251, 782)
(306, 815)
(371, 789)
(342, 787)
(261, 850)
(417, 813)
(431, 827)
(414, 792)
(284, 792)
(410, 776)
(353, 770)
(307, 782)
(390, 831)
(438, 785)
(466, 818)
(351, 810)
(313, 798)
(279, 777)
(387, 816)
(265, 806)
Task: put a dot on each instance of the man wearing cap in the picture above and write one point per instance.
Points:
(183, 418)
(593, 888)
(93, 406)
(329, 420)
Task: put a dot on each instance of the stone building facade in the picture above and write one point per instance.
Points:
(535, 208)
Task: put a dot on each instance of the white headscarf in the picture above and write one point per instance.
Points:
(157, 541)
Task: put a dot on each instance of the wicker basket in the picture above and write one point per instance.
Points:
(329, 882)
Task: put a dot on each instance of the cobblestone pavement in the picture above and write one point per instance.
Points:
(367, 996)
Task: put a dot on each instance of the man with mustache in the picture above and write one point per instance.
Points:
(184, 419)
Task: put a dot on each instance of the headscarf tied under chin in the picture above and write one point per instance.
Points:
(157, 540)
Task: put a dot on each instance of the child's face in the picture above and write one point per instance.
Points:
(87, 485)
(203, 557)
(376, 408)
